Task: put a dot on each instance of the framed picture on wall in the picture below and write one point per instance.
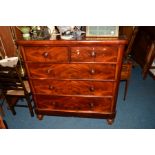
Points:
(102, 31)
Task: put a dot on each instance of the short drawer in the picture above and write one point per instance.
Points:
(64, 103)
(78, 87)
(46, 54)
(97, 54)
(72, 71)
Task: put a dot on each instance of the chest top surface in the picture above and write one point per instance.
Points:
(83, 41)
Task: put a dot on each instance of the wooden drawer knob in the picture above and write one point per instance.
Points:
(92, 89)
(51, 87)
(45, 54)
(78, 52)
(93, 53)
(48, 71)
(91, 105)
(54, 103)
(92, 71)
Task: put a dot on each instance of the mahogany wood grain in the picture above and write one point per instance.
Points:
(74, 77)
(72, 71)
(94, 53)
(46, 54)
(73, 87)
(67, 103)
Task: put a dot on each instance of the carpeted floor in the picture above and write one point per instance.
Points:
(137, 112)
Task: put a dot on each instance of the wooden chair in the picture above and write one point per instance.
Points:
(13, 88)
(125, 75)
(1, 110)
(149, 66)
(2, 124)
(1, 104)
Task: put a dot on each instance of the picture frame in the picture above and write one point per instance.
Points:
(102, 31)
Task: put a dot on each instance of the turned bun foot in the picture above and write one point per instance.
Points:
(40, 117)
(110, 121)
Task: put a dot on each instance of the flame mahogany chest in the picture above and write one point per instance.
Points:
(74, 77)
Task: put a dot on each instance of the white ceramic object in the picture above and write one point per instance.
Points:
(63, 29)
(51, 29)
(9, 62)
(66, 37)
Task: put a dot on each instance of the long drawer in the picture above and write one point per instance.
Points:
(65, 103)
(76, 87)
(72, 71)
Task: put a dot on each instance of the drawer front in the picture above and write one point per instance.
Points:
(72, 71)
(97, 54)
(46, 54)
(95, 104)
(66, 87)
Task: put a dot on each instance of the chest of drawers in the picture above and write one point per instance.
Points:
(74, 77)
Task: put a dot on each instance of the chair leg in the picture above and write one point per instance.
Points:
(2, 125)
(1, 107)
(126, 88)
(29, 105)
(11, 101)
(12, 110)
